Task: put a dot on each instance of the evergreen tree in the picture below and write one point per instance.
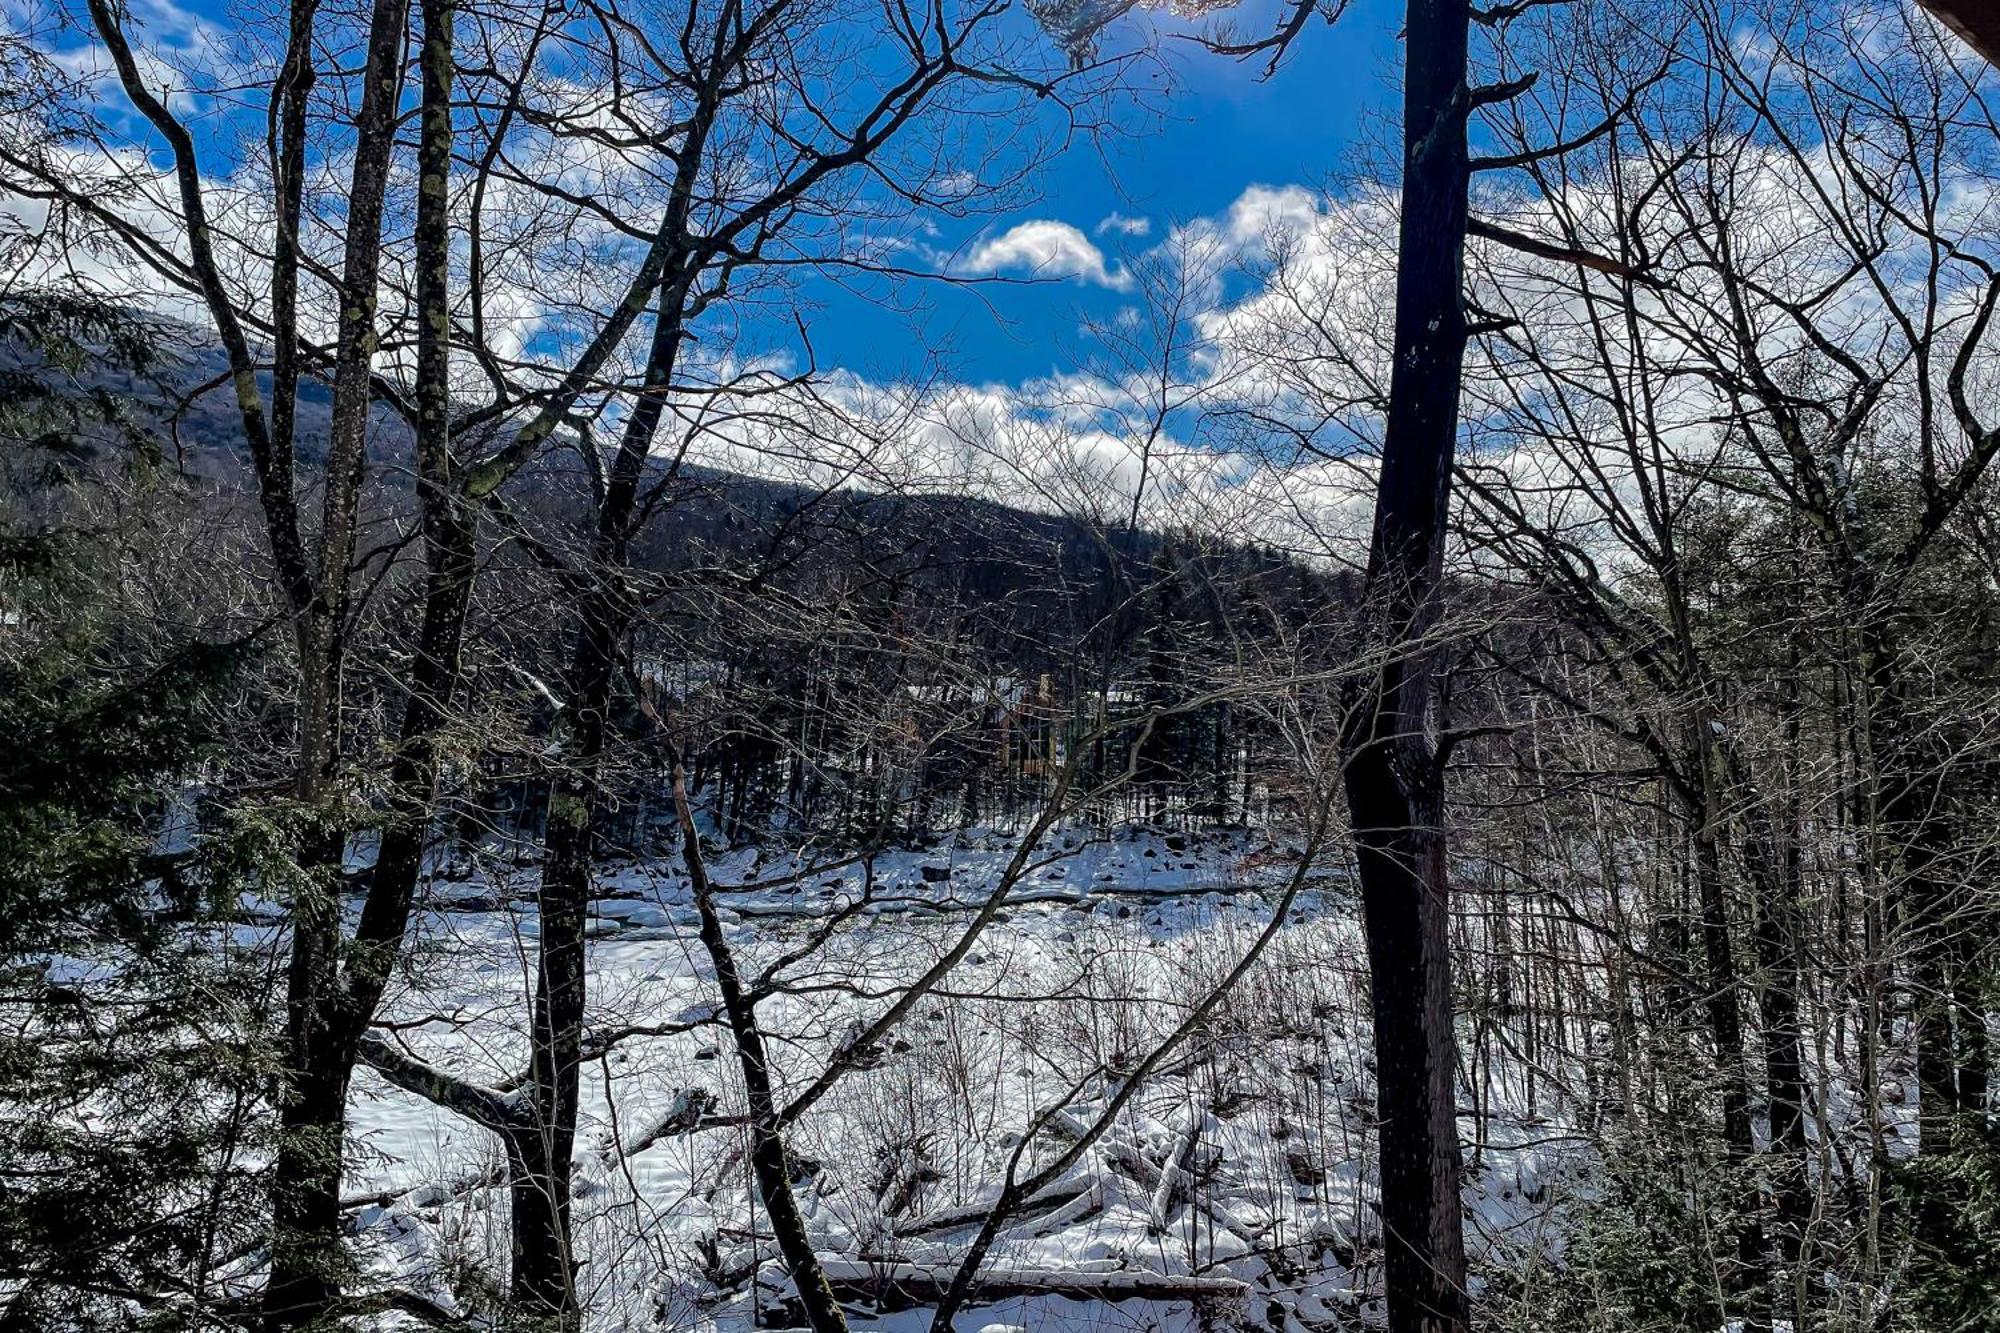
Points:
(130, 1085)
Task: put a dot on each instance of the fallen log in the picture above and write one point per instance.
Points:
(428, 1193)
(1126, 1159)
(898, 1286)
(1176, 1172)
(1087, 1204)
(972, 1214)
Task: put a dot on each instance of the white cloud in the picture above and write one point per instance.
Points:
(1045, 249)
(1264, 213)
(1124, 226)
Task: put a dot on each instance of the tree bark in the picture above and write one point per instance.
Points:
(449, 533)
(1724, 982)
(305, 1278)
(543, 1277)
(1910, 808)
(1773, 875)
(1394, 773)
(767, 1141)
(1725, 1015)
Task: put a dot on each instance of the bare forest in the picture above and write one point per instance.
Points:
(1000, 666)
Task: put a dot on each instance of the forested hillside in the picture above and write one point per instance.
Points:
(581, 749)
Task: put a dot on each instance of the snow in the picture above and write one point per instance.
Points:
(1237, 1167)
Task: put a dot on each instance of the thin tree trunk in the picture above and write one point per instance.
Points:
(767, 1141)
(1908, 810)
(543, 1275)
(1725, 1018)
(1774, 937)
(353, 395)
(319, 1061)
(449, 534)
(543, 1278)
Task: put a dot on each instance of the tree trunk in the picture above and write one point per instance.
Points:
(449, 533)
(1394, 775)
(307, 1261)
(327, 1011)
(1774, 936)
(305, 1277)
(767, 1142)
(324, 636)
(1725, 1015)
(543, 1280)
(1909, 809)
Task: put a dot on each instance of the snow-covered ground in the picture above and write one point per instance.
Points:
(1238, 1170)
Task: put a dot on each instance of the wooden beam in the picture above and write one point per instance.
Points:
(1976, 21)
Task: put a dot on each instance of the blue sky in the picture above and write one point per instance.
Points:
(1221, 129)
(1208, 129)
